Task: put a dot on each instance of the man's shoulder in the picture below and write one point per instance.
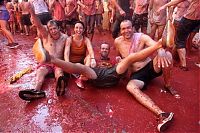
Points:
(64, 36)
(119, 39)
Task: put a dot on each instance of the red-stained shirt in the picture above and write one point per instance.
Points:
(91, 7)
(105, 63)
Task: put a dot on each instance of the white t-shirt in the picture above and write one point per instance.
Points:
(39, 6)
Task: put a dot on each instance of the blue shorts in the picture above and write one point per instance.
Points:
(4, 15)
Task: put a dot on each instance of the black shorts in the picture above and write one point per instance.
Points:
(44, 17)
(60, 24)
(185, 27)
(146, 74)
(71, 22)
(140, 20)
(106, 77)
(26, 19)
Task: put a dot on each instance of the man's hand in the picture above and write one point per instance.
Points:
(118, 59)
(122, 12)
(93, 63)
(163, 59)
(160, 9)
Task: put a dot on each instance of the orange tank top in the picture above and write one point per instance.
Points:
(77, 53)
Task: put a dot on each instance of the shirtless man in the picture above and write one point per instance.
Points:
(54, 42)
(145, 70)
(121, 11)
(157, 21)
(140, 16)
(26, 22)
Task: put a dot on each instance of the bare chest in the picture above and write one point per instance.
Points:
(55, 47)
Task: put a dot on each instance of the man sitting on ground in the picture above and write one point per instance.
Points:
(100, 76)
(54, 42)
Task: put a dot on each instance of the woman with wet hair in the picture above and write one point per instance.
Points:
(80, 45)
(4, 17)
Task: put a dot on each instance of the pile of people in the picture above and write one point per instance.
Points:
(60, 51)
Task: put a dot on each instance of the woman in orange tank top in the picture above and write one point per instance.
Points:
(80, 45)
(80, 50)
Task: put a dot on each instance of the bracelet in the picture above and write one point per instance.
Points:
(92, 58)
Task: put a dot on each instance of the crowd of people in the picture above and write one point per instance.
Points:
(65, 29)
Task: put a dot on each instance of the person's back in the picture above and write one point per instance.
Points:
(22, 6)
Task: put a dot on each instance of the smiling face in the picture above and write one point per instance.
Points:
(105, 50)
(53, 30)
(126, 29)
(78, 29)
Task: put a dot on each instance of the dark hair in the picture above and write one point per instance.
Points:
(84, 29)
(1, 2)
(80, 23)
(52, 22)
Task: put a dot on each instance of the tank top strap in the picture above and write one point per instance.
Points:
(134, 42)
(83, 41)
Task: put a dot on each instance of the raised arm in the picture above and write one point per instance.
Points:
(51, 4)
(63, 3)
(73, 10)
(42, 29)
(171, 3)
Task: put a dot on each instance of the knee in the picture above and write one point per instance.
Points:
(132, 88)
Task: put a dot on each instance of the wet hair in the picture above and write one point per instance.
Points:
(126, 20)
(52, 22)
(106, 44)
(80, 22)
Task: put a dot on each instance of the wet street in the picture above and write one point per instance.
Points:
(96, 110)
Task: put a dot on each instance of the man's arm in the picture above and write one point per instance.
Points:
(36, 21)
(118, 57)
(116, 5)
(63, 3)
(73, 10)
(51, 4)
(81, 4)
(171, 3)
(116, 47)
